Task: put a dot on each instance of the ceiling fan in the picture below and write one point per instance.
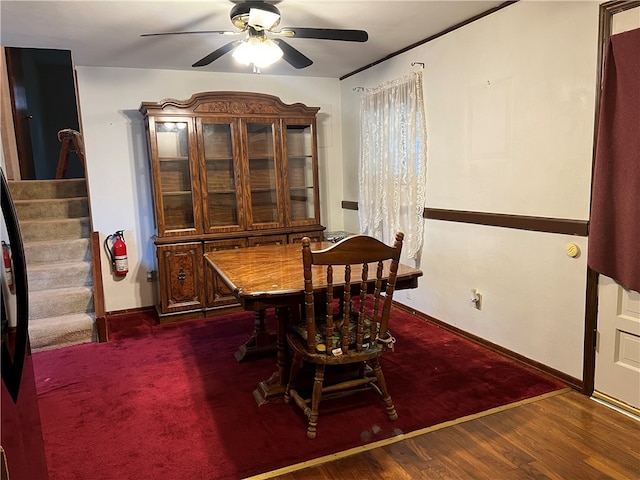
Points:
(263, 44)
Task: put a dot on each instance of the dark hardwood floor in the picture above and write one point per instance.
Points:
(567, 436)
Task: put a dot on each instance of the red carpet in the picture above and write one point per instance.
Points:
(174, 404)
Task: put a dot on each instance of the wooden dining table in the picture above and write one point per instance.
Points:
(271, 276)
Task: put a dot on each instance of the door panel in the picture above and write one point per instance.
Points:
(262, 174)
(176, 177)
(36, 77)
(618, 349)
(222, 179)
(21, 115)
(301, 173)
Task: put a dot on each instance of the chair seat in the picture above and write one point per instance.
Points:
(322, 341)
(299, 345)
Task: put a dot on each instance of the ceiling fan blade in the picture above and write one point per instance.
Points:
(216, 54)
(325, 34)
(195, 32)
(294, 57)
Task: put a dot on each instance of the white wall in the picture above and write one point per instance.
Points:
(117, 162)
(510, 108)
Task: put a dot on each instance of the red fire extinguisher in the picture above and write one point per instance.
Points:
(8, 270)
(118, 253)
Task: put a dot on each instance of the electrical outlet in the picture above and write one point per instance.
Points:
(476, 299)
(150, 276)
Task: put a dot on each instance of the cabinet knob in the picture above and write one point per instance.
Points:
(182, 276)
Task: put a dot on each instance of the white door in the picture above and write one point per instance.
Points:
(617, 373)
(617, 378)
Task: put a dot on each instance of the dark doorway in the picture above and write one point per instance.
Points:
(43, 97)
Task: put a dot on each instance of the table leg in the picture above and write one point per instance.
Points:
(272, 390)
(261, 341)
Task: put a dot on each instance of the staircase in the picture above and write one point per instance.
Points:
(54, 222)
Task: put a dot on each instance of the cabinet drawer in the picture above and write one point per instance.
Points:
(313, 236)
(182, 277)
(267, 240)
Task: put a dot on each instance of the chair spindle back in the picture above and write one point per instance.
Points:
(354, 256)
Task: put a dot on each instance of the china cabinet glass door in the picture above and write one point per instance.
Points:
(262, 180)
(175, 174)
(222, 185)
(302, 174)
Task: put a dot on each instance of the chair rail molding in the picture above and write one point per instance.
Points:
(519, 222)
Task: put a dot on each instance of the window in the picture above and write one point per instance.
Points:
(393, 159)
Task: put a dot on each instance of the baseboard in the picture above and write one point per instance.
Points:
(102, 322)
(102, 328)
(129, 311)
(569, 380)
(153, 312)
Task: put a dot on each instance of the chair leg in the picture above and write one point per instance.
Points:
(315, 401)
(296, 365)
(382, 384)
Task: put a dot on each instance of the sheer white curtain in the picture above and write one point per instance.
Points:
(393, 162)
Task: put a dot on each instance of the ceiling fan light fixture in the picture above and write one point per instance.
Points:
(259, 14)
(262, 19)
(259, 51)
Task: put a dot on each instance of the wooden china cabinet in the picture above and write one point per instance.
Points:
(230, 170)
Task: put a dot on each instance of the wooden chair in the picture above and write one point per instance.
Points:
(339, 329)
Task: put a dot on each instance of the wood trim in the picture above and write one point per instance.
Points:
(432, 37)
(169, 240)
(237, 104)
(7, 130)
(98, 288)
(4, 466)
(519, 222)
(131, 311)
(590, 332)
(569, 380)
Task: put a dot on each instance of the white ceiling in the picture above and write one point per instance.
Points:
(107, 33)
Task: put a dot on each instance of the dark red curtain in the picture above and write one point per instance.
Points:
(614, 233)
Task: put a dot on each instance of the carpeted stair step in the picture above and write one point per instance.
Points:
(60, 301)
(47, 189)
(52, 208)
(55, 332)
(57, 229)
(53, 251)
(59, 275)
